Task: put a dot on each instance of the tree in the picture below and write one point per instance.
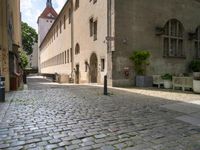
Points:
(23, 58)
(29, 37)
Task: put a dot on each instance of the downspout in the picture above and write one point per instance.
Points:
(109, 42)
(72, 41)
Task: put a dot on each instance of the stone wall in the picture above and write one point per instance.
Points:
(135, 30)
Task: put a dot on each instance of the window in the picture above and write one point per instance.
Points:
(94, 1)
(71, 54)
(197, 42)
(77, 49)
(86, 66)
(69, 16)
(54, 34)
(173, 39)
(91, 27)
(57, 30)
(76, 4)
(102, 64)
(60, 26)
(95, 30)
(64, 22)
(67, 56)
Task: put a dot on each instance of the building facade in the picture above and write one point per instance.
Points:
(90, 39)
(33, 58)
(10, 42)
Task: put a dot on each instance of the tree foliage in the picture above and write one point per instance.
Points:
(29, 37)
(140, 60)
(23, 58)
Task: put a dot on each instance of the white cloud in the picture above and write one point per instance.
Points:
(60, 4)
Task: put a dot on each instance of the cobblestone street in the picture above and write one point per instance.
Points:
(50, 116)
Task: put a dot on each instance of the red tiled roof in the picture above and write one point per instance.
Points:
(47, 11)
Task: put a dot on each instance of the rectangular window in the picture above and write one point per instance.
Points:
(67, 56)
(71, 54)
(102, 64)
(95, 30)
(64, 22)
(94, 1)
(57, 30)
(69, 16)
(91, 27)
(54, 34)
(60, 26)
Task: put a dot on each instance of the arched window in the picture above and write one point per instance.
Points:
(173, 39)
(76, 4)
(197, 42)
(77, 49)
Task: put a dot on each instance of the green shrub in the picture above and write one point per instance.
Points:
(166, 76)
(23, 58)
(195, 66)
(140, 61)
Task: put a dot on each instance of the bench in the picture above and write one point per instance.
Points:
(182, 82)
(157, 80)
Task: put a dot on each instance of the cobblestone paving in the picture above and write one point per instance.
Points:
(80, 117)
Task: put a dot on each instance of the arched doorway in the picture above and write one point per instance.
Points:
(93, 68)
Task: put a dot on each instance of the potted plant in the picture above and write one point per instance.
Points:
(195, 68)
(140, 61)
(167, 79)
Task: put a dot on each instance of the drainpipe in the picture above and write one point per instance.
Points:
(72, 41)
(110, 5)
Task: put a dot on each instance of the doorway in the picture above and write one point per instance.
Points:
(77, 73)
(93, 68)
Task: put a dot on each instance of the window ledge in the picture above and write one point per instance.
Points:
(179, 57)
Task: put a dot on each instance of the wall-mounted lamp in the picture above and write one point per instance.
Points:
(159, 31)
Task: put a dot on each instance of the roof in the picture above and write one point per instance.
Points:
(67, 2)
(48, 10)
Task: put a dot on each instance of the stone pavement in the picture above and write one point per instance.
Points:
(50, 116)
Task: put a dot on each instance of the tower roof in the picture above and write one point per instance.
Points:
(49, 11)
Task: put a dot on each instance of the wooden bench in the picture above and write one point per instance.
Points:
(182, 82)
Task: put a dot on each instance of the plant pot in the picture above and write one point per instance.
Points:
(144, 81)
(196, 86)
(196, 74)
(167, 84)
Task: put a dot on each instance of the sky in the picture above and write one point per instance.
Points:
(31, 9)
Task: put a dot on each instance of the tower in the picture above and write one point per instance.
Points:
(45, 21)
(49, 4)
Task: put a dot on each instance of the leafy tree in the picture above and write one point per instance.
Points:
(29, 37)
(23, 58)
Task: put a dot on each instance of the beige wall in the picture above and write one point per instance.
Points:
(4, 44)
(16, 22)
(60, 44)
(10, 14)
(132, 25)
(81, 35)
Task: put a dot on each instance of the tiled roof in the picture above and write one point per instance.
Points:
(47, 11)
